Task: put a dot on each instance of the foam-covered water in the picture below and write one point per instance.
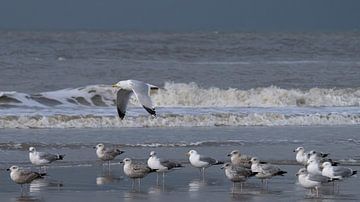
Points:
(181, 105)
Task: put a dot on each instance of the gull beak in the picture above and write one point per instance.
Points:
(114, 85)
(94, 147)
(297, 174)
(229, 155)
(222, 167)
(294, 150)
(8, 169)
(187, 154)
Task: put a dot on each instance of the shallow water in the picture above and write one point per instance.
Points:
(80, 177)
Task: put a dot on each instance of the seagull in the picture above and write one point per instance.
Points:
(43, 158)
(301, 155)
(240, 159)
(141, 91)
(201, 162)
(135, 170)
(106, 154)
(318, 156)
(161, 166)
(265, 170)
(310, 181)
(237, 173)
(313, 167)
(336, 172)
(21, 176)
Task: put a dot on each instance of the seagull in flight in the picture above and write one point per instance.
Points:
(141, 91)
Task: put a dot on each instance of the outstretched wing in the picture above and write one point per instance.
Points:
(142, 91)
(122, 99)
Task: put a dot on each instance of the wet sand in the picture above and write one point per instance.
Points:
(80, 177)
(96, 183)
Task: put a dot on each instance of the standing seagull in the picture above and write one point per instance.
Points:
(21, 176)
(201, 162)
(141, 91)
(336, 172)
(43, 158)
(240, 159)
(265, 170)
(237, 173)
(161, 166)
(310, 181)
(301, 155)
(135, 170)
(106, 154)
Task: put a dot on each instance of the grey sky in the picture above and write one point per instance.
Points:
(181, 15)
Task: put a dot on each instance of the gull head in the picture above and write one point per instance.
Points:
(299, 149)
(191, 152)
(32, 149)
(121, 84)
(99, 146)
(226, 165)
(13, 168)
(126, 161)
(326, 164)
(234, 153)
(254, 160)
(152, 153)
(302, 171)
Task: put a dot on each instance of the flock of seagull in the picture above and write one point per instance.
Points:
(317, 169)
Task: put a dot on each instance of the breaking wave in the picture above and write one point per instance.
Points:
(189, 95)
(171, 120)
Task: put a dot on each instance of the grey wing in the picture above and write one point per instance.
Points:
(269, 168)
(169, 164)
(319, 178)
(140, 168)
(112, 152)
(341, 171)
(241, 171)
(122, 99)
(47, 156)
(142, 91)
(29, 176)
(209, 160)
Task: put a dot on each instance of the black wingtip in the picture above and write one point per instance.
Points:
(281, 173)
(151, 111)
(61, 157)
(253, 173)
(121, 114)
(119, 151)
(219, 163)
(354, 172)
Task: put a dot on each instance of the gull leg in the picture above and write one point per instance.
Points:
(203, 173)
(317, 191)
(139, 183)
(163, 178)
(157, 178)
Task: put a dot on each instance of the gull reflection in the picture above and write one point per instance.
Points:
(41, 184)
(107, 178)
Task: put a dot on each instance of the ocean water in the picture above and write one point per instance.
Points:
(262, 93)
(63, 79)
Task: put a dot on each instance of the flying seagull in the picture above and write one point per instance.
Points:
(141, 91)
